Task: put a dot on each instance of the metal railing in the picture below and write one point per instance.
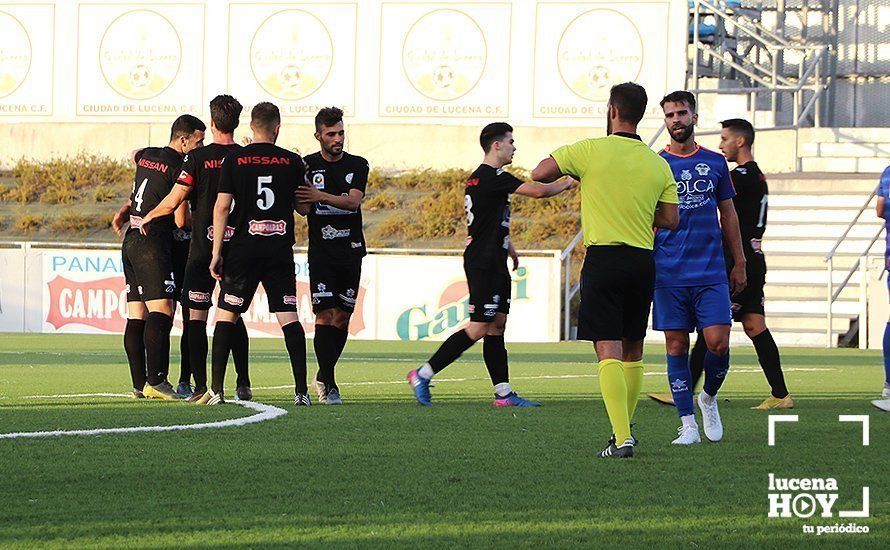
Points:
(832, 292)
(770, 77)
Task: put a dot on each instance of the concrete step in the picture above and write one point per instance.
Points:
(814, 322)
(869, 164)
(801, 277)
(820, 246)
(806, 260)
(783, 337)
(852, 201)
(819, 229)
(843, 135)
(807, 292)
(840, 216)
(846, 307)
(823, 183)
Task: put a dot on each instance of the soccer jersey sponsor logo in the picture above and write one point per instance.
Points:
(181, 235)
(233, 300)
(152, 165)
(702, 169)
(263, 160)
(199, 297)
(355, 245)
(290, 300)
(135, 222)
(226, 236)
(267, 228)
(328, 233)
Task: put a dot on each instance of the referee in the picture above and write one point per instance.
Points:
(626, 189)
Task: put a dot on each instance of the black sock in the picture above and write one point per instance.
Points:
(450, 350)
(697, 360)
(324, 344)
(134, 345)
(339, 343)
(768, 355)
(222, 345)
(185, 359)
(197, 331)
(240, 351)
(495, 354)
(295, 341)
(157, 346)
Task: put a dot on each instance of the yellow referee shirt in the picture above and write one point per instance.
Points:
(622, 180)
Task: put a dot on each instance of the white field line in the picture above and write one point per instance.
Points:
(436, 380)
(264, 412)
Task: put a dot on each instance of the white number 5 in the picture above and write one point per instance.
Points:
(267, 196)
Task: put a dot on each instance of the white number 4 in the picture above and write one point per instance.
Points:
(267, 196)
(139, 193)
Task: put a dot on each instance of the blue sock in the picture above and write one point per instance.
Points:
(887, 354)
(679, 378)
(716, 367)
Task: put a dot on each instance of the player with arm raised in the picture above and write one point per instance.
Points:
(148, 260)
(261, 179)
(487, 204)
(198, 183)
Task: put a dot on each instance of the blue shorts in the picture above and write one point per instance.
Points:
(691, 307)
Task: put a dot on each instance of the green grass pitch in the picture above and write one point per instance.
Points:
(382, 471)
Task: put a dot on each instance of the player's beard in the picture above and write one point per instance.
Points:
(334, 150)
(685, 135)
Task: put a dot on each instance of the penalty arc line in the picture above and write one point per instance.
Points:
(263, 412)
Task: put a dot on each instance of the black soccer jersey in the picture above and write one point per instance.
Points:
(156, 171)
(200, 171)
(752, 196)
(262, 177)
(335, 235)
(487, 203)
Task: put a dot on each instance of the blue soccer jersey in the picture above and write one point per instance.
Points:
(884, 191)
(692, 254)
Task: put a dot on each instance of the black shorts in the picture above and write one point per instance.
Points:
(750, 300)
(490, 293)
(148, 266)
(197, 284)
(181, 245)
(242, 274)
(617, 283)
(334, 285)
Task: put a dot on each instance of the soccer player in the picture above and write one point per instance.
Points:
(487, 204)
(626, 189)
(261, 179)
(197, 183)
(148, 260)
(336, 187)
(691, 286)
(883, 211)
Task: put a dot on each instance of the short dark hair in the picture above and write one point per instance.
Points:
(185, 125)
(328, 116)
(265, 116)
(740, 127)
(493, 132)
(680, 96)
(630, 100)
(225, 112)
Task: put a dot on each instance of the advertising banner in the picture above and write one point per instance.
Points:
(138, 61)
(400, 297)
(299, 56)
(27, 40)
(444, 60)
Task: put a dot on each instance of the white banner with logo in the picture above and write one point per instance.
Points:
(444, 60)
(285, 53)
(400, 297)
(27, 40)
(430, 62)
(133, 60)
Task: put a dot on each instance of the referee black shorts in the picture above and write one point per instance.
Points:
(617, 283)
